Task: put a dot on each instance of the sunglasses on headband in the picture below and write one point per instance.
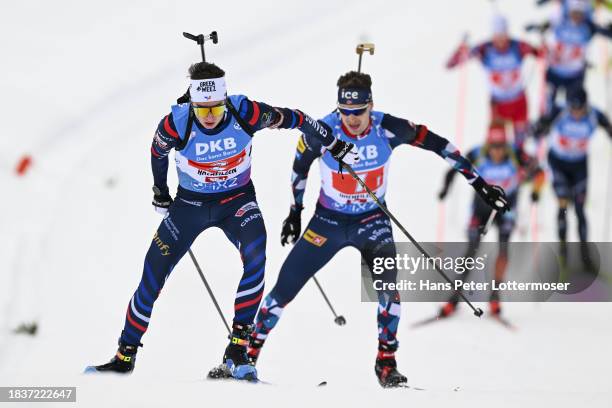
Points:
(203, 111)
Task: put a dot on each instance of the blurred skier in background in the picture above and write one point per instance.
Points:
(570, 129)
(572, 32)
(501, 163)
(502, 57)
(211, 136)
(590, 6)
(346, 215)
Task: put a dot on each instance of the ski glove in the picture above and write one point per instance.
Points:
(161, 200)
(494, 196)
(344, 152)
(538, 129)
(292, 226)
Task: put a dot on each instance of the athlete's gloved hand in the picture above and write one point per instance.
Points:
(344, 152)
(535, 196)
(292, 226)
(161, 200)
(542, 27)
(537, 129)
(494, 196)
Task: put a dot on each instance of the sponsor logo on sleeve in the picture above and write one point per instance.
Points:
(314, 238)
(301, 146)
(159, 141)
(266, 119)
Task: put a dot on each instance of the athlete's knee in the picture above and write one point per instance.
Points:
(504, 243)
(253, 253)
(580, 198)
(283, 292)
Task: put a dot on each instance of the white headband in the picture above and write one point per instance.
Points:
(208, 90)
(577, 5)
(499, 25)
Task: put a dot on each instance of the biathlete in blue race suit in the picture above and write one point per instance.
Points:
(570, 129)
(347, 216)
(211, 137)
(504, 164)
(572, 32)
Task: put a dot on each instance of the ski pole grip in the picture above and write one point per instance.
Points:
(190, 36)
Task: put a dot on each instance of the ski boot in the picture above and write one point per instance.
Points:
(386, 367)
(235, 361)
(449, 307)
(122, 363)
(254, 349)
(495, 307)
(494, 304)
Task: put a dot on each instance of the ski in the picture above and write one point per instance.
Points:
(411, 387)
(94, 370)
(221, 372)
(232, 379)
(505, 322)
(407, 387)
(90, 370)
(429, 320)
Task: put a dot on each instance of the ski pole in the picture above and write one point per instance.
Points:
(210, 292)
(339, 320)
(477, 311)
(489, 223)
(462, 99)
(608, 209)
(441, 222)
(459, 125)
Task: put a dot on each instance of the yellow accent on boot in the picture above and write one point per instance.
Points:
(239, 341)
(121, 357)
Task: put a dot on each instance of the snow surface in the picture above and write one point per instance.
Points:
(85, 83)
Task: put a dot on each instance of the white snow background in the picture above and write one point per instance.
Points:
(82, 89)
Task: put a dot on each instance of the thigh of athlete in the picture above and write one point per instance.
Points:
(562, 178)
(372, 235)
(322, 239)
